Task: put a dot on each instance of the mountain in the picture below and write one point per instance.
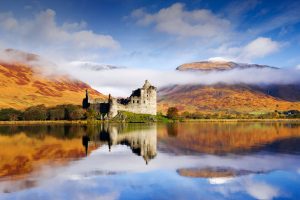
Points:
(24, 84)
(93, 66)
(228, 98)
(220, 98)
(218, 66)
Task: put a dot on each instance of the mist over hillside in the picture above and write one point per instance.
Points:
(26, 80)
(204, 86)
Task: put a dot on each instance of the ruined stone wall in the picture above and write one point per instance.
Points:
(141, 101)
(143, 104)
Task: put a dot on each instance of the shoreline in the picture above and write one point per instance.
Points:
(243, 120)
(44, 122)
(84, 122)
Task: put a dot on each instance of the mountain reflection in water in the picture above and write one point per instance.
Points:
(184, 161)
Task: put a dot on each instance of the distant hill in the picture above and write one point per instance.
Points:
(93, 66)
(218, 66)
(23, 85)
(228, 97)
(220, 98)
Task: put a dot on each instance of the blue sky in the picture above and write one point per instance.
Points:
(154, 34)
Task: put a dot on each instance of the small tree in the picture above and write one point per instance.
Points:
(57, 113)
(172, 113)
(74, 112)
(186, 114)
(36, 113)
(10, 114)
(91, 114)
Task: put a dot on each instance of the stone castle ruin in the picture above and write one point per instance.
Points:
(141, 101)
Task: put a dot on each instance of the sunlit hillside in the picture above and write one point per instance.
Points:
(221, 98)
(229, 98)
(217, 66)
(22, 87)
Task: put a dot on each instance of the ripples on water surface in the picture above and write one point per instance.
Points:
(151, 161)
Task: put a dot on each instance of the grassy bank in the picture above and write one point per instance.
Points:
(124, 116)
(134, 120)
(46, 122)
(241, 120)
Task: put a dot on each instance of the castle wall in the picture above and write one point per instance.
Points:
(143, 104)
(142, 101)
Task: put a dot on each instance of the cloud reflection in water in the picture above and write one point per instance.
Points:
(116, 171)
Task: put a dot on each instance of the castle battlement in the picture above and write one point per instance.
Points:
(141, 101)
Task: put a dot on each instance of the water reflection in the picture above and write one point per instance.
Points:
(85, 143)
(142, 139)
(188, 161)
(227, 138)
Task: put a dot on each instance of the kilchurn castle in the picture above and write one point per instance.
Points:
(141, 101)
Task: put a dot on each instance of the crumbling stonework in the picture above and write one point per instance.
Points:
(141, 101)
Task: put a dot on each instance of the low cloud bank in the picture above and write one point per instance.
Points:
(120, 82)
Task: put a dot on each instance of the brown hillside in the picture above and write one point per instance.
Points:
(206, 66)
(217, 66)
(21, 86)
(220, 98)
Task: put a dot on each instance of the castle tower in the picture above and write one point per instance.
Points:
(87, 94)
(149, 98)
(146, 84)
(113, 107)
(85, 101)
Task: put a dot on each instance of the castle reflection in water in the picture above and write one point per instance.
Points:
(141, 139)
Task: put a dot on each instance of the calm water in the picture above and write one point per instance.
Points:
(153, 161)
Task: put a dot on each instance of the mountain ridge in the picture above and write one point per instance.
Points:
(222, 98)
(218, 66)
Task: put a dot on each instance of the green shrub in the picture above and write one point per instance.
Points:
(92, 114)
(10, 114)
(36, 113)
(74, 112)
(56, 113)
(172, 113)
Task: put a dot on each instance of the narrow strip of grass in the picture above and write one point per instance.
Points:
(114, 121)
(242, 120)
(43, 122)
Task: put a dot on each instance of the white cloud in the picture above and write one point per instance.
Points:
(298, 66)
(218, 59)
(248, 184)
(212, 30)
(220, 180)
(176, 20)
(260, 190)
(44, 28)
(120, 82)
(42, 34)
(74, 26)
(258, 48)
